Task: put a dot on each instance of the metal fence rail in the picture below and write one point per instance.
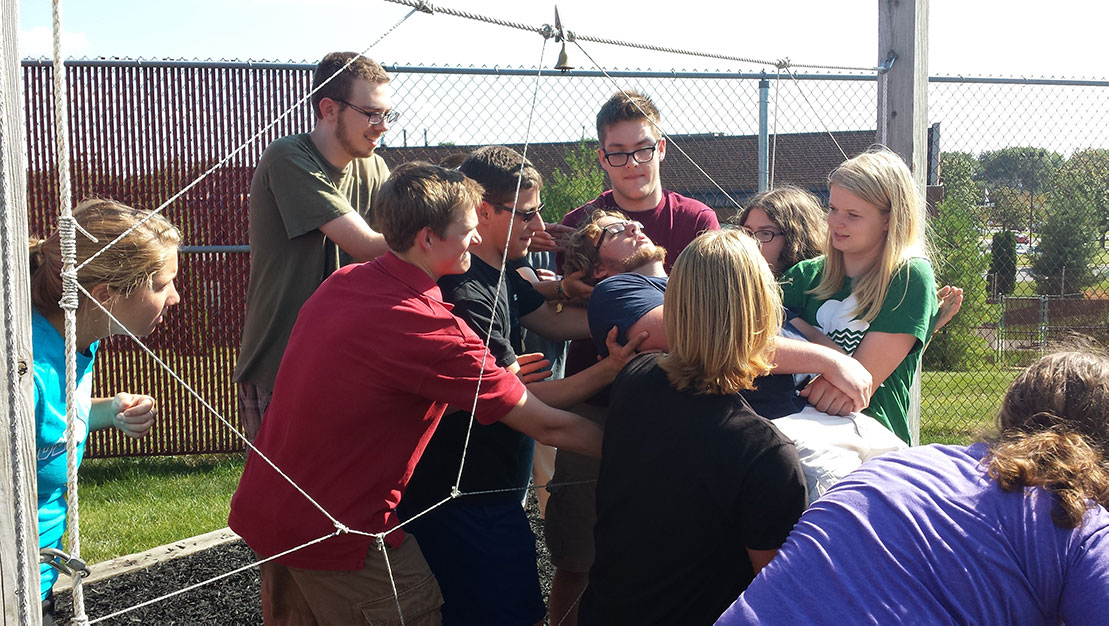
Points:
(143, 130)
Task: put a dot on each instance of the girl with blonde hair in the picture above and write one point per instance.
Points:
(721, 486)
(873, 292)
(133, 279)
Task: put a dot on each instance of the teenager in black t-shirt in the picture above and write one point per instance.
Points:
(696, 492)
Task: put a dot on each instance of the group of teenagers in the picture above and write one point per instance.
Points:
(730, 416)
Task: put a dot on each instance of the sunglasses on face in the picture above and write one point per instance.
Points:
(616, 229)
(523, 216)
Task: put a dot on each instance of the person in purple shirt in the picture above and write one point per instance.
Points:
(1012, 530)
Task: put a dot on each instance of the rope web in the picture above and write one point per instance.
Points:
(71, 288)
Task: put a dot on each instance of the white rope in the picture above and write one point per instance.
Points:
(805, 97)
(392, 581)
(660, 130)
(214, 579)
(338, 525)
(246, 143)
(68, 242)
(70, 275)
(500, 275)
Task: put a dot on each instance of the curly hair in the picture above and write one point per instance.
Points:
(1054, 433)
(581, 250)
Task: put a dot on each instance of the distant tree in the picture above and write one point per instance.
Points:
(954, 233)
(582, 181)
(1072, 228)
(961, 175)
(1028, 171)
(1002, 277)
(1009, 208)
(1024, 168)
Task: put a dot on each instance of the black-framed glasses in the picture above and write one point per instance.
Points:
(762, 235)
(523, 216)
(374, 117)
(642, 155)
(615, 229)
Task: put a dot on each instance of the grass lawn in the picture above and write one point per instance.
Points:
(957, 406)
(134, 504)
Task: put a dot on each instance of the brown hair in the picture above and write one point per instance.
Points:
(722, 312)
(581, 249)
(798, 215)
(626, 106)
(419, 195)
(339, 87)
(1054, 433)
(127, 265)
(499, 169)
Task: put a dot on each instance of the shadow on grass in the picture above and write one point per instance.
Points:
(101, 471)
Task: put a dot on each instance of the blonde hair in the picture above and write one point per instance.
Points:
(881, 178)
(721, 312)
(127, 265)
(799, 216)
(581, 250)
(1054, 433)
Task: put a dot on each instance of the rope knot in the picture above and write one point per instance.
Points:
(70, 286)
(341, 527)
(425, 7)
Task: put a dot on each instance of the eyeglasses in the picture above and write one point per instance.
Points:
(374, 117)
(642, 155)
(761, 235)
(523, 216)
(616, 229)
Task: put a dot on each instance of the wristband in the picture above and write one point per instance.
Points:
(560, 291)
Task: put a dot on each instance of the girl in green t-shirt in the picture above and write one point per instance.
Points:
(873, 292)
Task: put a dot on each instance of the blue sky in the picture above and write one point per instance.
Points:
(1064, 38)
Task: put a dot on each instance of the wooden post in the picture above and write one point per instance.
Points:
(19, 572)
(903, 107)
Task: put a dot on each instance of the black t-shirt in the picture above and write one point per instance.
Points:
(498, 457)
(688, 483)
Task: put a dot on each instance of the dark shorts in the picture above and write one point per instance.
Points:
(572, 511)
(253, 400)
(483, 555)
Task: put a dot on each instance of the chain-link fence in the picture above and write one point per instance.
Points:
(1025, 169)
(1014, 154)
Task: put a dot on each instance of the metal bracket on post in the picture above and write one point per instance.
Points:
(69, 565)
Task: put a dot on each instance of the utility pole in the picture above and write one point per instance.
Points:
(903, 109)
(19, 570)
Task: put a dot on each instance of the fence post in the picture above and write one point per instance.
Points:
(19, 572)
(903, 110)
(764, 134)
(1043, 323)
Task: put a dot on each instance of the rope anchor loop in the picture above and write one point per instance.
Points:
(69, 565)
